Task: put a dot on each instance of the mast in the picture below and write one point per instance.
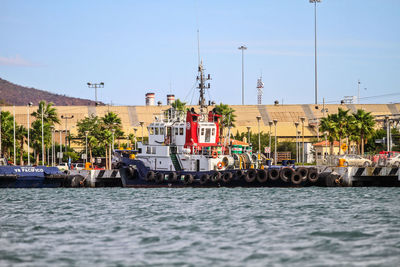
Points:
(202, 86)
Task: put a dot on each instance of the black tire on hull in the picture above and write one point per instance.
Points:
(251, 175)
(131, 172)
(273, 174)
(159, 178)
(172, 177)
(227, 177)
(286, 174)
(313, 175)
(239, 175)
(262, 176)
(150, 176)
(77, 181)
(296, 178)
(303, 172)
(216, 177)
(188, 179)
(204, 179)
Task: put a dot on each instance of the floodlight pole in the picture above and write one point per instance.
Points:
(315, 46)
(95, 86)
(242, 48)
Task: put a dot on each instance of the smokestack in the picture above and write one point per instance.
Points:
(150, 99)
(170, 99)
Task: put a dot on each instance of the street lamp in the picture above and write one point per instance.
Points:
(60, 158)
(52, 146)
(135, 130)
(315, 44)
(113, 132)
(297, 144)
(29, 126)
(15, 156)
(270, 133)
(242, 48)
(248, 134)
(66, 129)
(95, 86)
(302, 132)
(141, 123)
(41, 106)
(259, 140)
(86, 134)
(275, 122)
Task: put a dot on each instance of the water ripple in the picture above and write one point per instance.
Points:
(200, 227)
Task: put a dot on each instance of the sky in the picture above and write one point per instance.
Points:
(136, 47)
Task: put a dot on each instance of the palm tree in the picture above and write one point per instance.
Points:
(91, 125)
(341, 119)
(111, 122)
(328, 125)
(7, 128)
(364, 125)
(49, 113)
(228, 116)
(20, 134)
(179, 105)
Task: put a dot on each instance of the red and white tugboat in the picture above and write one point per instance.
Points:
(185, 149)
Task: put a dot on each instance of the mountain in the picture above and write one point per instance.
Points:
(13, 94)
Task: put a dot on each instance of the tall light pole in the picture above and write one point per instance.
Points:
(297, 144)
(66, 118)
(42, 136)
(95, 86)
(113, 133)
(270, 123)
(60, 158)
(275, 122)
(141, 123)
(248, 134)
(315, 46)
(1, 154)
(242, 48)
(302, 132)
(135, 130)
(15, 158)
(29, 126)
(259, 139)
(86, 134)
(52, 145)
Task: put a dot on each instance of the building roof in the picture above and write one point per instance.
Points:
(327, 143)
(235, 142)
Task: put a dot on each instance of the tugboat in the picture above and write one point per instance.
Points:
(185, 149)
(36, 177)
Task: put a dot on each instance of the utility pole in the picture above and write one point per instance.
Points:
(315, 46)
(242, 48)
(66, 129)
(95, 86)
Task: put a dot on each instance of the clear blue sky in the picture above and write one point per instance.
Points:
(136, 47)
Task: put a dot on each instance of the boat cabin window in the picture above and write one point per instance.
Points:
(202, 131)
(208, 133)
(156, 130)
(180, 131)
(176, 131)
(151, 130)
(161, 130)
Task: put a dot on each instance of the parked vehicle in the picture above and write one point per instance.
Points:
(63, 167)
(78, 166)
(394, 161)
(355, 160)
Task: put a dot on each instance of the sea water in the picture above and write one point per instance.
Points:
(200, 227)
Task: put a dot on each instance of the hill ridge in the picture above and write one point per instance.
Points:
(14, 94)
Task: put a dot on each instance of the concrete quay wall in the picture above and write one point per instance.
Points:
(246, 116)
